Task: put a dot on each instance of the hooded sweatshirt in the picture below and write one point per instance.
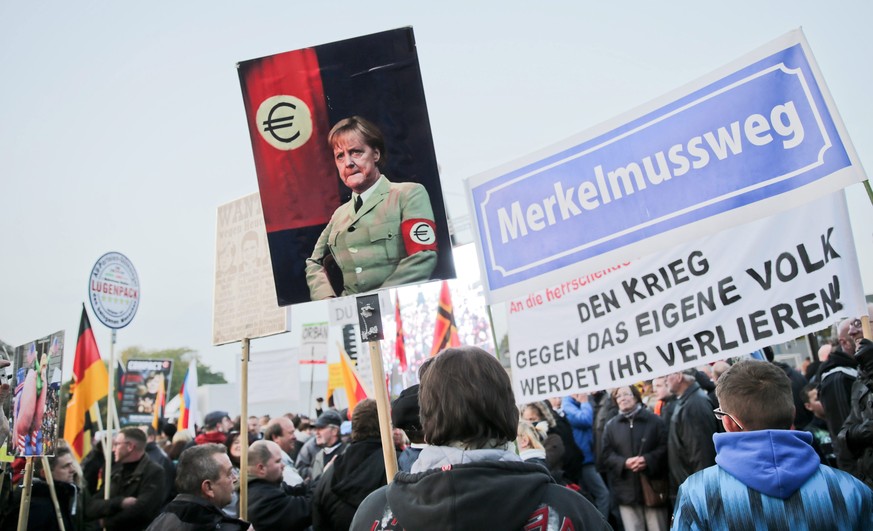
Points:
(771, 479)
(474, 489)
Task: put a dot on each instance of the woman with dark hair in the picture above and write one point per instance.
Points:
(469, 477)
(353, 476)
(635, 445)
(233, 445)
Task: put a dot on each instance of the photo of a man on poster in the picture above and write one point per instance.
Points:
(385, 235)
(331, 126)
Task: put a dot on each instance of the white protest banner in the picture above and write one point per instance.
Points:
(277, 373)
(754, 138)
(313, 344)
(245, 296)
(726, 295)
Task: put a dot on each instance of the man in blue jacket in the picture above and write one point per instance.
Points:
(579, 412)
(767, 476)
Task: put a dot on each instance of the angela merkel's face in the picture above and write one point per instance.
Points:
(356, 162)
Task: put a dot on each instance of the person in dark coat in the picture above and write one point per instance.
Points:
(692, 425)
(65, 474)
(136, 491)
(835, 379)
(353, 476)
(205, 484)
(404, 415)
(604, 409)
(857, 432)
(635, 443)
(273, 505)
(802, 416)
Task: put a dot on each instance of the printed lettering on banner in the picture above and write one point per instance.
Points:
(755, 138)
(726, 295)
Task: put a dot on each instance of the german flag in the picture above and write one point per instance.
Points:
(90, 384)
(445, 333)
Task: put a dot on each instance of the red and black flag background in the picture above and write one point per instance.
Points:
(292, 100)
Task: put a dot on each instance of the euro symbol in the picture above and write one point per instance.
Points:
(423, 233)
(282, 122)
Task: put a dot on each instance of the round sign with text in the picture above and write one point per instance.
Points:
(114, 290)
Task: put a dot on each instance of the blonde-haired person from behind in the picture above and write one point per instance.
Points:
(529, 442)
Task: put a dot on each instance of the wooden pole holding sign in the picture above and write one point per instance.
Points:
(47, 469)
(244, 432)
(383, 408)
(24, 508)
(370, 319)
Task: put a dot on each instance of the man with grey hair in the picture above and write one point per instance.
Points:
(768, 476)
(691, 426)
(205, 482)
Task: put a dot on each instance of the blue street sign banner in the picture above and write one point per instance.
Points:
(755, 138)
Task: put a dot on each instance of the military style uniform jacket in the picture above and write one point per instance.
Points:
(390, 241)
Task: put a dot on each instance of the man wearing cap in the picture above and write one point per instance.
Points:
(327, 436)
(215, 428)
(405, 416)
(692, 425)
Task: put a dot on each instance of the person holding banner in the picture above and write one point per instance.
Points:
(385, 235)
(67, 476)
(469, 477)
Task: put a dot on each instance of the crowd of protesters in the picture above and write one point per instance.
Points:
(741, 444)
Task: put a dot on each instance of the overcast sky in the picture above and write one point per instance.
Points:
(122, 124)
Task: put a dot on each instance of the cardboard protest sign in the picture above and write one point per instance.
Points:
(144, 389)
(726, 295)
(756, 137)
(37, 401)
(245, 297)
(292, 101)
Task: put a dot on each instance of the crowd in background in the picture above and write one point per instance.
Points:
(629, 452)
